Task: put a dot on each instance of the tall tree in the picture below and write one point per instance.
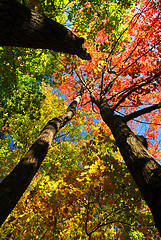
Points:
(129, 75)
(125, 68)
(77, 192)
(14, 185)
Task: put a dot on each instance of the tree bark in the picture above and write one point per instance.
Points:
(145, 170)
(22, 27)
(15, 184)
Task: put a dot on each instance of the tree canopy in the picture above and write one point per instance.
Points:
(97, 181)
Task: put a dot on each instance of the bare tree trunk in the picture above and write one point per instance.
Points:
(145, 170)
(22, 27)
(15, 184)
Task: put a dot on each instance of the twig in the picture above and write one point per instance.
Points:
(108, 87)
(83, 82)
(139, 42)
(113, 47)
(103, 76)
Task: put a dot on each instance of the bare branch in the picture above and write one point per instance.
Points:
(110, 84)
(121, 93)
(139, 14)
(108, 87)
(141, 112)
(139, 42)
(93, 100)
(87, 218)
(103, 76)
(85, 103)
(148, 123)
(82, 81)
(137, 87)
(112, 49)
(122, 222)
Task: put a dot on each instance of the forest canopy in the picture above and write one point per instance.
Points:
(97, 179)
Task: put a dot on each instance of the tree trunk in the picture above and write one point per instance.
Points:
(145, 170)
(15, 184)
(22, 27)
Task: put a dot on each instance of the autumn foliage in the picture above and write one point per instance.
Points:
(128, 67)
(83, 189)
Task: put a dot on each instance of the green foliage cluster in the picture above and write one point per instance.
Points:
(54, 9)
(21, 73)
(91, 17)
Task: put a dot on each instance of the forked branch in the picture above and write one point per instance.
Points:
(136, 88)
(110, 84)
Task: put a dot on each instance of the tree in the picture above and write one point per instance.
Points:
(77, 192)
(21, 29)
(125, 68)
(130, 66)
(14, 185)
(26, 28)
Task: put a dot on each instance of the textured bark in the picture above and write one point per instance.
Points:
(15, 184)
(22, 27)
(145, 170)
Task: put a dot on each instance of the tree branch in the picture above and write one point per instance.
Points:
(138, 15)
(83, 82)
(141, 112)
(16, 183)
(137, 44)
(110, 84)
(87, 216)
(22, 27)
(137, 87)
